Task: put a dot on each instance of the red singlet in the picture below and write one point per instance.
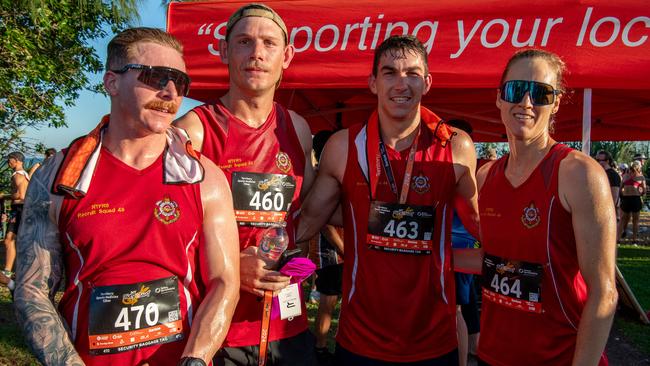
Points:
(398, 306)
(265, 168)
(533, 292)
(130, 257)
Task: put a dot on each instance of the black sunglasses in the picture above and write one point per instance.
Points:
(513, 91)
(158, 76)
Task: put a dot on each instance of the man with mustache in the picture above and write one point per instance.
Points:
(256, 141)
(130, 213)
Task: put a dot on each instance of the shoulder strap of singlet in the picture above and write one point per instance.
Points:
(21, 172)
(551, 165)
(285, 122)
(496, 168)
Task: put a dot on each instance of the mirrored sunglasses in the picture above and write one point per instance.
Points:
(513, 91)
(158, 76)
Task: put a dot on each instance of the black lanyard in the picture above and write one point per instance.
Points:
(385, 162)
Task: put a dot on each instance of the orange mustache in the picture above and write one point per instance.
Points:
(171, 107)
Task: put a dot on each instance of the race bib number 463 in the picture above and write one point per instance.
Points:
(126, 317)
(261, 199)
(393, 227)
(514, 284)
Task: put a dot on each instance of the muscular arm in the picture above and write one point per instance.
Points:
(464, 156)
(466, 200)
(191, 123)
(38, 273)
(584, 191)
(20, 184)
(324, 196)
(32, 170)
(219, 255)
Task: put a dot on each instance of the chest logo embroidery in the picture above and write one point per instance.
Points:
(420, 183)
(530, 218)
(167, 211)
(283, 162)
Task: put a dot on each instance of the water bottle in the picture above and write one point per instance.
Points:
(273, 243)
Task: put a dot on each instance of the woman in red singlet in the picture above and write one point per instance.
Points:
(633, 189)
(548, 232)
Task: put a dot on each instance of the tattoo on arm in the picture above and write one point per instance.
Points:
(38, 274)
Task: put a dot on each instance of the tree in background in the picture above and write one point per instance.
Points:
(45, 59)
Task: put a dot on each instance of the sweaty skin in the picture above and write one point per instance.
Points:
(398, 123)
(136, 136)
(584, 192)
(256, 56)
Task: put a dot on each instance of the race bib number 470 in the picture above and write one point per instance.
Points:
(514, 284)
(126, 317)
(407, 229)
(261, 199)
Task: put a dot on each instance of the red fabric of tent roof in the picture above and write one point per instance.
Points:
(606, 46)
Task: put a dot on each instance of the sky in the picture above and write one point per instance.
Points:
(91, 107)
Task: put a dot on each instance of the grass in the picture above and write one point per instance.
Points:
(13, 350)
(634, 263)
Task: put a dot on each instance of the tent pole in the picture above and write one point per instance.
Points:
(586, 121)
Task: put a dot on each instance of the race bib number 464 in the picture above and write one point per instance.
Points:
(126, 317)
(514, 284)
(261, 199)
(398, 228)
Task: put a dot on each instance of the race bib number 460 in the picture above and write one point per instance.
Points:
(261, 199)
(393, 227)
(126, 317)
(514, 284)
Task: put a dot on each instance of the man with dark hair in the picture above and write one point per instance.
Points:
(19, 182)
(604, 158)
(265, 152)
(396, 177)
(131, 213)
(50, 152)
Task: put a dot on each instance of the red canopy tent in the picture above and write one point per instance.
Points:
(605, 44)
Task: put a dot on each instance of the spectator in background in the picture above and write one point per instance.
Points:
(641, 158)
(634, 187)
(604, 158)
(19, 182)
(48, 154)
(327, 247)
(467, 316)
(491, 153)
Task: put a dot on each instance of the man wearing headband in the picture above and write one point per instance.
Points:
(264, 150)
(396, 177)
(130, 213)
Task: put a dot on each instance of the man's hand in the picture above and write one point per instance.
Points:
(255, 275)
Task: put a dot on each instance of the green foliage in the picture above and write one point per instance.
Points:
(622, 151)
(45, 58)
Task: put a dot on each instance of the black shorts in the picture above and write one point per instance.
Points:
(344, 357)
(631, 204)
(15, 215)
(329, 280)
(463, 287)
(294, 351)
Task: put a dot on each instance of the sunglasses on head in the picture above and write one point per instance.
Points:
(158, 76)
(513, 91)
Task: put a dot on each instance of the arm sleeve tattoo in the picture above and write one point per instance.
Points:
(39, 266)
